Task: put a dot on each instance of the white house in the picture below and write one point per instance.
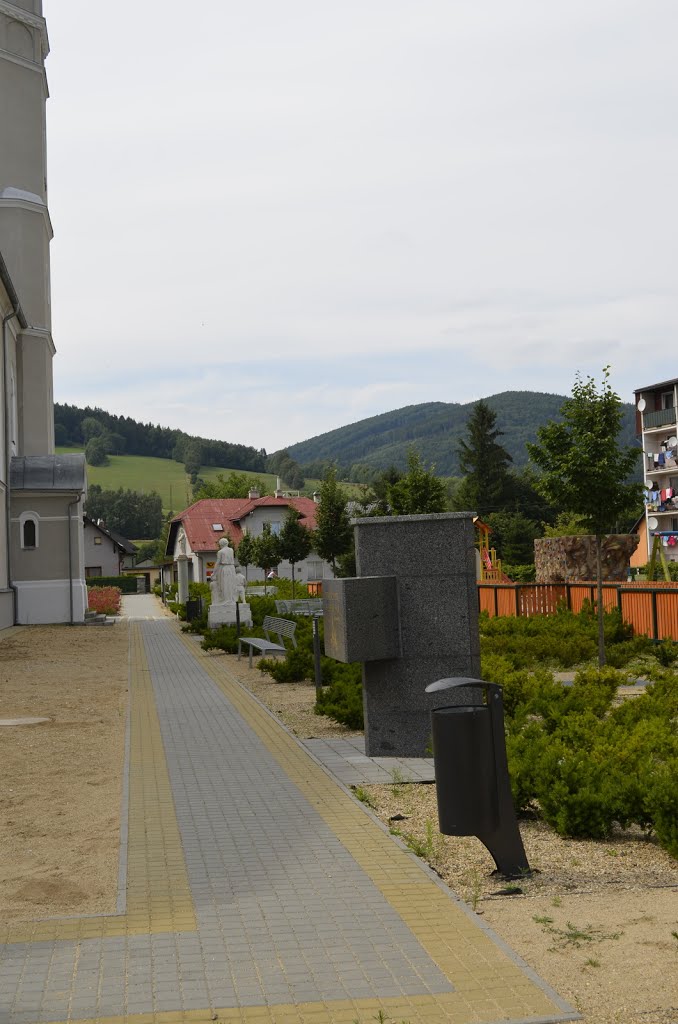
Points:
(201, 526)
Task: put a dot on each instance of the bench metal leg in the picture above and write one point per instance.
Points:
(251, 649)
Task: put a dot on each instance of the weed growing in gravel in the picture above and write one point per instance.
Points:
(364, 797)
(572, 935)
(476, 888)
(591, 962)
(397, 780)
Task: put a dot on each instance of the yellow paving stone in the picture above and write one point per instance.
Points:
(158, 894)
(463, 951)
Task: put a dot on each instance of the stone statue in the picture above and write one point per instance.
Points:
(223, 583)
(227, 588)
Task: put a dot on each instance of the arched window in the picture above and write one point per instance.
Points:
(28, 526)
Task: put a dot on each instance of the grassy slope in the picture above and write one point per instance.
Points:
(139, 473)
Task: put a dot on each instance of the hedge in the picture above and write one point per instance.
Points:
(128, 584)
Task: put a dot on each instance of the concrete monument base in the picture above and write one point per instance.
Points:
(225, 614)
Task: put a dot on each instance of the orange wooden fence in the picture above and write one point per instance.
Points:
(650, 608)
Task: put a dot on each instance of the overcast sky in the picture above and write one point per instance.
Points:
(275, 218)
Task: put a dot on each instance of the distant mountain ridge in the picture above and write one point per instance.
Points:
(436, 429)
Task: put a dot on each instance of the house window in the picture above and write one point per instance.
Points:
(314, 570)
(667, 400)
(28, 528)
(217, 527)
(274, 528)
(97, 540)
(93, 570)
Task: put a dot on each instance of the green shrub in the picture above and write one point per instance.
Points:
(662, 805)
(223, 639)
(294, 668)
(519, 573)
(666, 653)
(578, 783)
(343, 699)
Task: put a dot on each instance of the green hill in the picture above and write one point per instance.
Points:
(167, 477)
(436, 428)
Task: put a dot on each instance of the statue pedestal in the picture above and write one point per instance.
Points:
(224, 614)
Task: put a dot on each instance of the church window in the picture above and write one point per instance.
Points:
(28, 525)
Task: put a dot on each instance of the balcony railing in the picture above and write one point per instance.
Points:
(661, 418)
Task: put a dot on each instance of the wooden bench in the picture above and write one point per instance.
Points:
(302, 606)
(280, 627)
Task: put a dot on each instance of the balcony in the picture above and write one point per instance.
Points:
(661, 418)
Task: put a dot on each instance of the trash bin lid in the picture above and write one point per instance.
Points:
(455, 681)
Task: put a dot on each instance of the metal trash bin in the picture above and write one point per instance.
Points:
(193, 609)
(472, 780)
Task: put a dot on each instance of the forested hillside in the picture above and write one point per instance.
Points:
(76, 426)
(435, 428)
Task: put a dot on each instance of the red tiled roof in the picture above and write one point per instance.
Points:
(198, 519)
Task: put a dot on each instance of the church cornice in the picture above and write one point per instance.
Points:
(26, 18)
(39, 334)
(15, 198)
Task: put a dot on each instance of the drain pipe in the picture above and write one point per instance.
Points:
(70, 559)
(17, 312)
(8, 544)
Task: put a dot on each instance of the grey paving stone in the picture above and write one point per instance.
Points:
(284, 913)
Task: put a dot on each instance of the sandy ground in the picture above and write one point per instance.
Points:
(60, 781)
(596, 921)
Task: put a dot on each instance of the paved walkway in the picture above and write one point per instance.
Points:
(142, 606)
(255, 888)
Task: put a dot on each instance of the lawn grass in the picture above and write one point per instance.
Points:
(167, 477)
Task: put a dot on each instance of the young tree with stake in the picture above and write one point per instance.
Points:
(295, 541)
(585, 471)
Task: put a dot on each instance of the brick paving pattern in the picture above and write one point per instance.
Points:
(257, 888)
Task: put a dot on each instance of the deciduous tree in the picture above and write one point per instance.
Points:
(419, 492)
(266, 550)
(245, 552)
(585, 471)
(333, 527)
(295, 541)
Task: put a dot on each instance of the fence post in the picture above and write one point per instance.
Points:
(496, 602)
(568, 596)
(517, 594)
(655, 628)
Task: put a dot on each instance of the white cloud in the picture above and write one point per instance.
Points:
(387, 189)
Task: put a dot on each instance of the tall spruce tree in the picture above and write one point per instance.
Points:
(585, 471)
(484, 463)
(334, 532)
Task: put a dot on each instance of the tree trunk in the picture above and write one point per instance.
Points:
(601, 621)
